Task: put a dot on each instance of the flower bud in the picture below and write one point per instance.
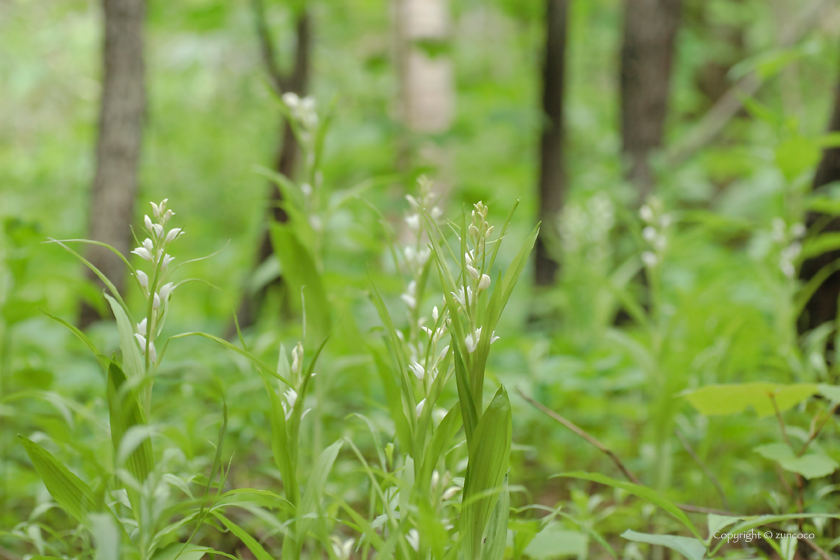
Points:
(148, 222)
(142, 279)
(484, 283)
(173, 234)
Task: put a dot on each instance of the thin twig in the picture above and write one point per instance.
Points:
(573, 427)
(817, 549)
(800, 486)
(816, 431)
(603, 448)
(687, 446)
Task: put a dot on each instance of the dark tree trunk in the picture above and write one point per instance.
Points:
(822, 307)
(118, 147)
(552, 181)
(650, 28)
(288, 152)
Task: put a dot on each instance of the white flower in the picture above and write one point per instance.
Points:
(291, 99)
(157, 230)
(166, 290)
(459, 297)
(413, 221)
(166, 260)
(173, 234)
(418, 370)
(167, 215)
(152, 352)
(650, 259)
(142, 278)
(435, 314)
(473, 230)
(291, 397)
(342, 549)
(488, 232)
(149, 245)
(435, 478)
(484, 283)
(435, 213)
(494, 338)
(472, 339)
(443, 352)
(649, 234)
(155, 210)
(156, 302)
(413, 201)
(143, 253)
(297, 358)
(646, 212)
(148, 222)
(429, 332)
(141, 328)
(450, 492)
(306, 189)
(798, 230)
(413, 539)
(423, 256)
(473, 272)
(469, 258)
(409, 300)
(419, 408)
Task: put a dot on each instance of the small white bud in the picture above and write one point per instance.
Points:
(297, 358)
(156, 302)
(418, 410)
(291, 397)
(306, 189)
(143, 253)
(165, 263)
(155, 211)
(435, 213)
(450, 493)
(149, 245)
(291, 100)
(646, 212)
(148, 222)
(413, 221)
(142, 278)
(435, 314)
(167, 215)
(435, 478)
(488, 232)
(413, 538)
(471, 340)
(418, 370)
(173, 234)
(409, 300)
(484, 283)
(650, 259)
(141, 329)
(473, 272)
(649, 234)
(473, 230)
(165, 290)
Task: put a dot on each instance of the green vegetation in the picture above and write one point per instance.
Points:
(404, 391)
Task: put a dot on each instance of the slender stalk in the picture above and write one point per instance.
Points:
(708, 472)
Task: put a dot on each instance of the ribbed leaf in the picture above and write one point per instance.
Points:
(125, 413)
(489, 456)
(255, 547)
(71, 492)
(494, 546)
(314, 491)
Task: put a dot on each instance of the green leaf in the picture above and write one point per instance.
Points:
(125, 413)
(66, 488)
(494, 546)
(554, 542)
(106, 536)
(182, 552)
(489, 456)
(810, 465)
(640, 491)
(314, 491)
(444, 432)
(717, 522)
(693, 549)
(255, 547)
(133, 364)
(823, 243)
(831, 392)
(735, 398)
(300, 271)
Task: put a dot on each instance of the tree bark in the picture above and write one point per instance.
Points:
(650, 28)
(288, 152)
(122, 109)
(822, 307)
(552, 178)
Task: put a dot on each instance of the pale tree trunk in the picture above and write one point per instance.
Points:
(552, 181)
(822, 307)
(650, 28)
(288, 152)
(427, 92)
(121, 117)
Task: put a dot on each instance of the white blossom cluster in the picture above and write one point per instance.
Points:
(291, 394)
(153, 250)
(302, 110)
(586, 227)
(655, 231)
(789, 239)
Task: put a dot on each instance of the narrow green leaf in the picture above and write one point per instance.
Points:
(494, 546)
(640, 491)
(489, 455)
(693, 549)
(66, 488)
(255, 547)
(310, 504)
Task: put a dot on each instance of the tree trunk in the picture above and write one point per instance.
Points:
(288, 152)
(650, 28)
(118, 147)
(552, 181)
(822, 307)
